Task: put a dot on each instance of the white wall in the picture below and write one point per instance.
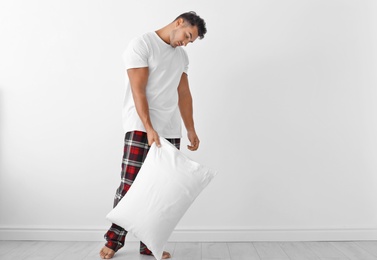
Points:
(284, 100)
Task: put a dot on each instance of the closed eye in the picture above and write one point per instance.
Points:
(189, 36)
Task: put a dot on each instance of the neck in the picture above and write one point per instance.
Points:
(164, 33)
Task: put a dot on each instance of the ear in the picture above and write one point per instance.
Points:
(179, 22)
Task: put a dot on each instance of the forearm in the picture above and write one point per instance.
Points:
(185, 107)
(185, 103)
(142, 109)
(138, 80)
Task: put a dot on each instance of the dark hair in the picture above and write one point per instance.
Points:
(195, 20)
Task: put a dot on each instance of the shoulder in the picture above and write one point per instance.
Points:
(139, 44)
(141, 39)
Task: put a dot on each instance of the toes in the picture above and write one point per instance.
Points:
(105, 254)
(108, 256)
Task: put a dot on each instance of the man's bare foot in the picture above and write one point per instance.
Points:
(165, 255)
(106, 253)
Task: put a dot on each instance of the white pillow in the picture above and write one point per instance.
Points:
(167, 184)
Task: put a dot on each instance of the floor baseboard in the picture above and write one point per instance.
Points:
(194, 234)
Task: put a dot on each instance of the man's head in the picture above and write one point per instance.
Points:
(187, 27)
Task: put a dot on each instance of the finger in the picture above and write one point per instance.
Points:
(193, 148)
(197, 145)
(157, 140)
(194, 145)
(151, 141)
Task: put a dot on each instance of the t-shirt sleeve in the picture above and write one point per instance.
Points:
(186, 62)
(136, 54)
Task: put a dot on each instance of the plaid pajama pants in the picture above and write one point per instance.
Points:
(135, 151)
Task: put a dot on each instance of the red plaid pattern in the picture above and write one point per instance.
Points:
(135, 151)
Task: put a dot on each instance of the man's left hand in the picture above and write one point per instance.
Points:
(194, 140)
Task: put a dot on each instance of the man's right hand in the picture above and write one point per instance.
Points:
(153, 137)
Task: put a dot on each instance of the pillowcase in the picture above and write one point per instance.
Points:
(167, 184)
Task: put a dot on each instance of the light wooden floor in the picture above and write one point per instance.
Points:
(48, 250)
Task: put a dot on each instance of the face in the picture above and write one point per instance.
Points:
(183, 34)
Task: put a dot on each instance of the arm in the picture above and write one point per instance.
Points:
(185, 107)
(138, 79)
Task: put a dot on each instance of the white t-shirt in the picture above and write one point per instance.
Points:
(166, 65)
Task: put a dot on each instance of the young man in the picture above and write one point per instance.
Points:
(157, 97)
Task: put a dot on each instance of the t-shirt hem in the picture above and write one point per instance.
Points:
(164, 135)
(134, 66)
